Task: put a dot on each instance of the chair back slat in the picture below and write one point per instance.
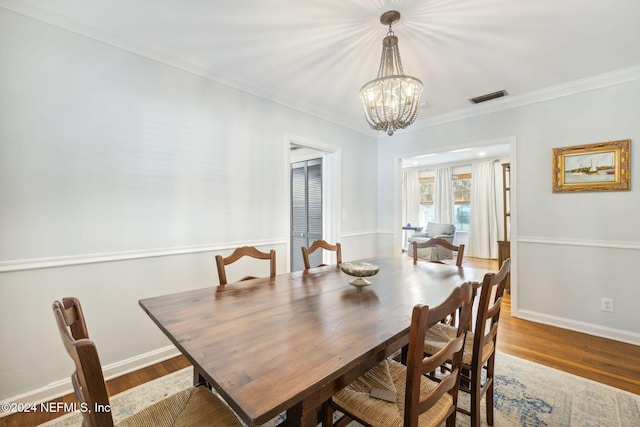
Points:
(434, 243)
(87, 379)
(424, 317)
(240, 252)
(486, 326)
(321, 244)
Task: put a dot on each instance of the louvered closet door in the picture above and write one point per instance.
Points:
(306, 210)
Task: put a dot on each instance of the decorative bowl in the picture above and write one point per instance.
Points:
(359, 270)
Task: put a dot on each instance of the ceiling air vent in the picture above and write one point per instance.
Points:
(488, 97)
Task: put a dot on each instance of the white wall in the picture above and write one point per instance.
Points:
(109, 156)
(570, 249)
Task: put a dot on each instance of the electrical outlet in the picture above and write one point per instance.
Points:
(606, 304)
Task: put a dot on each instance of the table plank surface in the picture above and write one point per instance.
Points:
(267, 345)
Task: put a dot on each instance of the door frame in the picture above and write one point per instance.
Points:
(311, 160)
(397, 212)
(331, 189)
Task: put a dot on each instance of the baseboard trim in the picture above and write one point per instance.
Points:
(63, 387)
(578, 326)
(135, 363)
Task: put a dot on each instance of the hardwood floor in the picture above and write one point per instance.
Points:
(610, 362)
(599, 359)
(114, 386)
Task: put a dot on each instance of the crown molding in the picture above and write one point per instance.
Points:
(47, 12)
(613, 78)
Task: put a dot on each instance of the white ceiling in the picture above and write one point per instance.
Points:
(466, 155)
(315, 55)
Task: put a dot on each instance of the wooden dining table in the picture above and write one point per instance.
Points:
(289, 342)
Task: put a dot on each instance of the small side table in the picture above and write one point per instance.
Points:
(405, 244)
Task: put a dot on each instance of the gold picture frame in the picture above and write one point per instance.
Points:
(604, 166)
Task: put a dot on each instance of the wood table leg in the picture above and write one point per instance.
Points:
(198, 379)
(303, 414)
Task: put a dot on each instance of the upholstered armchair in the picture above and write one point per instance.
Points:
(443, 231)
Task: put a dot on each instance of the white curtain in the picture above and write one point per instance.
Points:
(411, 198)
(483, 236)
(443, 201)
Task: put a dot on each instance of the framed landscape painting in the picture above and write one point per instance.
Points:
(592, 167)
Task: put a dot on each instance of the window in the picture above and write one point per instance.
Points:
(462, 194)
(426, 200)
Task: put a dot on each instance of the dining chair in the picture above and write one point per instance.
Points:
(337, 248)
(404, 395)
(435, 243)
(195, 406)
(480, 347)
(243, 251)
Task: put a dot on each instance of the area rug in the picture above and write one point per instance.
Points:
(526, 394)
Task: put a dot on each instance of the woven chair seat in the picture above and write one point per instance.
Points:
(439, 334)
(195, 406)
(390, 375)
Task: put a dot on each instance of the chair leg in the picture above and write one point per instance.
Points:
(326, 414)
(198, 379)
(489, 393)
(475, 396)
(343, 422)
(489, 404)
(451, 420)
(465, 374)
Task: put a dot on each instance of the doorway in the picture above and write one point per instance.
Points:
(306, 210)
(459, 160)
(326, 173)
